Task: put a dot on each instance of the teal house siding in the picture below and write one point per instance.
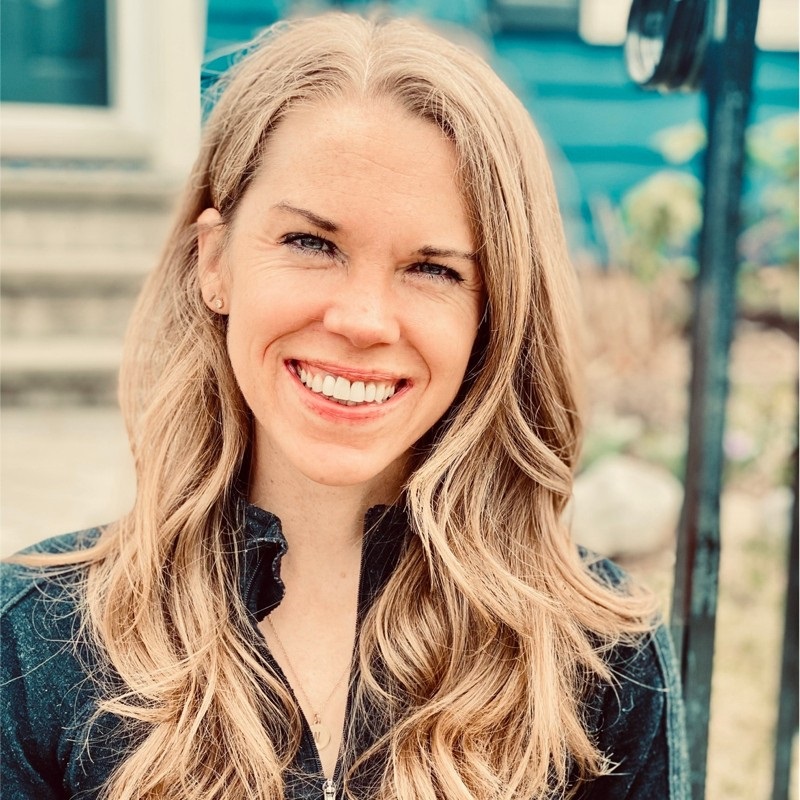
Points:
(233, 22)
(584, 104)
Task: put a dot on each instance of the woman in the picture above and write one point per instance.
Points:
(351, 400)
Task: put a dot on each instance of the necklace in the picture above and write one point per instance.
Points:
(320, 731)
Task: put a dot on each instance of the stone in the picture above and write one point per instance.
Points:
(625, 507)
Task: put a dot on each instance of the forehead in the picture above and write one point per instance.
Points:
(349, 156)
(376, 130)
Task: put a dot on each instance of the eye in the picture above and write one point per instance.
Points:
(308, 243)
(436, 272)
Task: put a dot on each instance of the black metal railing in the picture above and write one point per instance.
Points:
(710, 44)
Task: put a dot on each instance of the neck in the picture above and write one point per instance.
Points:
(322, 524)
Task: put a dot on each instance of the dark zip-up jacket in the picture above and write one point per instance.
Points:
(55, 746)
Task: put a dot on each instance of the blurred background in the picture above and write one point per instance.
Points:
(100, 112)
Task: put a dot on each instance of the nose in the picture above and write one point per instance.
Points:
(364, 311)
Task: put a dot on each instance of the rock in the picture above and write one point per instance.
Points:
(625, 507)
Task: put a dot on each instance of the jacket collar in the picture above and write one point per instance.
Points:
(263, 545)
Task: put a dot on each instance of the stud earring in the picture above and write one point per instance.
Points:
(218, 304)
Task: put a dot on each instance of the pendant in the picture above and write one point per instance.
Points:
(322, 736)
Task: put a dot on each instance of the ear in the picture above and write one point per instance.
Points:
(213, 281)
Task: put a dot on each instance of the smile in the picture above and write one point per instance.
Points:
(344, 391)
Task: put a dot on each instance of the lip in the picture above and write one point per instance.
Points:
(331, 409)
(351, 373)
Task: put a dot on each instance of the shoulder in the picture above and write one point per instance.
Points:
(604, 570)
(20, 581)
(641, 666)
(648, 658)
(47, 673)
(40, 601)
(40, 619)
(65, 543)
(637, 719)
(40, 611)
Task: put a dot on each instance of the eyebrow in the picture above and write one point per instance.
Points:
(426, 251)
(315, 219)
(438, 252)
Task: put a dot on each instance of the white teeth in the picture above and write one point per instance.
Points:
(339, 388)
(341, 391)
(328, 385)
(357, 392)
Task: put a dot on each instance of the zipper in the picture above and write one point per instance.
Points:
(329, 786)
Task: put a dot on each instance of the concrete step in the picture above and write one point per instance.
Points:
(59, 371)
(76, 246)
(63, 217)
(81, 293)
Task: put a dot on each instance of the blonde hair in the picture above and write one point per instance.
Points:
(483, 645)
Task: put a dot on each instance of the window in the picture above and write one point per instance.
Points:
(54, 51)
(112, 81)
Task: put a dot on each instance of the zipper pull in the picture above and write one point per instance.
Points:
(329, 790)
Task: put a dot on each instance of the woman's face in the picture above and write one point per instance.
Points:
(351, 288)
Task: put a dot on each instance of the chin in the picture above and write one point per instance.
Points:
(344, 476)
(353, 471)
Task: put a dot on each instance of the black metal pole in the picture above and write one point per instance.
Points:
(788, 694)
(727, 81)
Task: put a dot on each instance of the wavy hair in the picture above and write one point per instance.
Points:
(481, 649)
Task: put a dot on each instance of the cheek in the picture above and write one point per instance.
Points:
(255, 322)
(264, 309)
(448, 344)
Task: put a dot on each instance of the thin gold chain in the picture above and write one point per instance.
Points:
(317, 714)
